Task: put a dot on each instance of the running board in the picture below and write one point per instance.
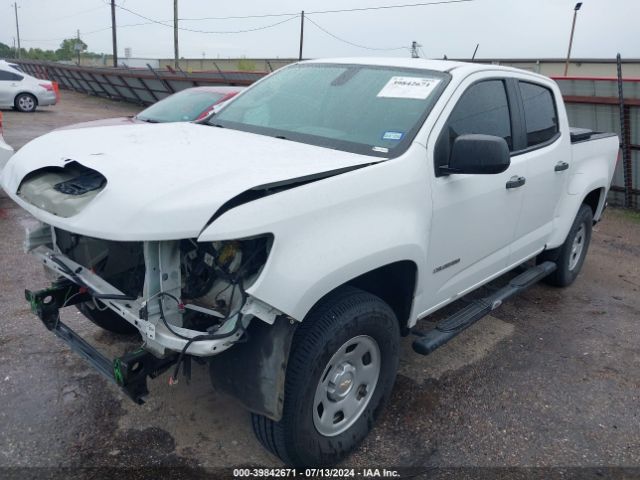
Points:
(448, 328)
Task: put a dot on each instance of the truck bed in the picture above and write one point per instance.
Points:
(585, 134)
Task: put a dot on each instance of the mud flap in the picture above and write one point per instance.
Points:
(254, 372)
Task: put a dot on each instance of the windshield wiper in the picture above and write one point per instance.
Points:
(148, 120)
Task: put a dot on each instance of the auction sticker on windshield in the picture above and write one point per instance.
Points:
(409, 87)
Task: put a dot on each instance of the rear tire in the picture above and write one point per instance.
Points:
(570, 256)
(25, 102)
(341, 371)
(106, 319)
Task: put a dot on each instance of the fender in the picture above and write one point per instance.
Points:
(593, 174)
(331, 231)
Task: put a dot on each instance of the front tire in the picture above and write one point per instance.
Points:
(25, 102)
(341, 371)
(569, 257)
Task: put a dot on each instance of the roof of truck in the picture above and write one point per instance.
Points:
(437, 65)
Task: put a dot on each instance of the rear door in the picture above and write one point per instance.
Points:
(545, 154)
(474, 216)
(9, 84)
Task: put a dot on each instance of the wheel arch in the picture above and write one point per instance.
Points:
(395, 284)
(595, 199)
(594, 196)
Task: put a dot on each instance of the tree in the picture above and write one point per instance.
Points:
(67, 50)
(6, 51)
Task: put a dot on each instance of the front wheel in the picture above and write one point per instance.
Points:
(341, 371)
(569, 257)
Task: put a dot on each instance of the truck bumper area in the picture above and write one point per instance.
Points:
(129, 372)
(154, 331)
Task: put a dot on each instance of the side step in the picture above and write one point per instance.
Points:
(448, 328)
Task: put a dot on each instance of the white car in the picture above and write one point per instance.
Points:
(24, 92)
(315, 220)
(6, 151)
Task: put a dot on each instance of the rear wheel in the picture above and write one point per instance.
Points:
(341, 371)
(569, 257)
(25, 102)
(106, 319)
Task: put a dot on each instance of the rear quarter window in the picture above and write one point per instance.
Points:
(540, 115)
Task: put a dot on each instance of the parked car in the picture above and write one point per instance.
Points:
(6, 151)
(24, 92)
(316, 218)
(191, 104)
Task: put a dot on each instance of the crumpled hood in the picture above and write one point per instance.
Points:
(166, 181)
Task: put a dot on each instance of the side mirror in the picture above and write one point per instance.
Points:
(478, 154)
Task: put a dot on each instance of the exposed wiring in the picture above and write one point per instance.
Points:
(64, 304)
(95, 304)
(238, 325)
(76, 279)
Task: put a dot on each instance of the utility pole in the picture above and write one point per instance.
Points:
(113, 33)
(301, 34)
(414, 49)
(573, 27)
(15, 6)
(175, 34)
(78, 47)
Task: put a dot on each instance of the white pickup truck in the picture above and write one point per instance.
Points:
(314, 220)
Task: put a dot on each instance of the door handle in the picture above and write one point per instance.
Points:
(560, 166)
(515, 182)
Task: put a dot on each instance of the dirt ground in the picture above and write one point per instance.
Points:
(551, 380)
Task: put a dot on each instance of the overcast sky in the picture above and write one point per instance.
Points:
(503, 28)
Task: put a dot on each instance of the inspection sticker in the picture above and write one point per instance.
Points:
(392, 136)
(409, 87)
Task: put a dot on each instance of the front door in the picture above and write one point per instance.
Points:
(474, 216)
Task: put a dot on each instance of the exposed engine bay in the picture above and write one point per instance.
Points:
(181, 295)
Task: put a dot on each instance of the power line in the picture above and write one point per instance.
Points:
(321, 12)
(348, 42)
(42, 40)
(81, 12)
(159, 22)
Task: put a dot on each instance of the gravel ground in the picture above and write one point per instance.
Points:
(547, 386)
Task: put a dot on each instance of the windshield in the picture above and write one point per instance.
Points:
(184, 106)
(358, 108)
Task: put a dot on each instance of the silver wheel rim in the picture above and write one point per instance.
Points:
(577, 247)
(346, 385)
(26, 102)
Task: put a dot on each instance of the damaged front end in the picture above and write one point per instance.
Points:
(185, 298)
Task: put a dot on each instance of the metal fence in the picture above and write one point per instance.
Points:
(595, 103)
(591, 103)
(143, 86)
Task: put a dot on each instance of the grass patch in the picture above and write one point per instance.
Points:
(633, 215)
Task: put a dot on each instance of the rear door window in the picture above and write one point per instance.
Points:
(541, 119)
(9, 76)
